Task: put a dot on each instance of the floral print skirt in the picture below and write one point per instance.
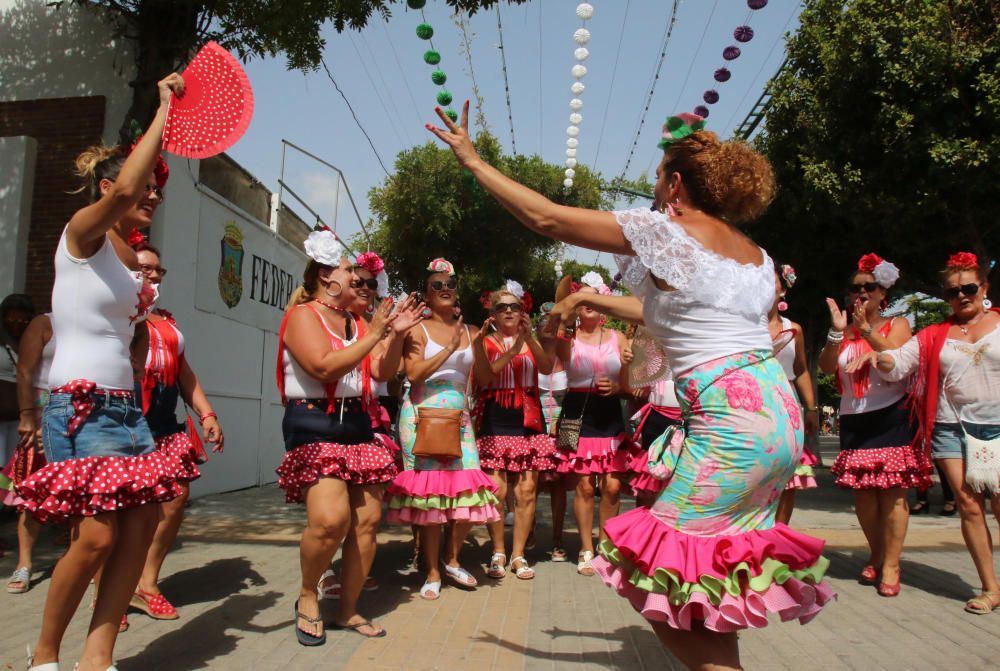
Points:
(708, 552)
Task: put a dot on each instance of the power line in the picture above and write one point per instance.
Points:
(371, 83)
(614, 72)
(388, 91)
(652, 87)
(395, 56)
(506, 84)
(774, 46)
(680, 91)
(353, 114)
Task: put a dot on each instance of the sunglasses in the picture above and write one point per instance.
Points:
(147, 269)
(439, 285)
(370, 283)
(155, 190)
(951, 293)
(504, 307)
(867, 286)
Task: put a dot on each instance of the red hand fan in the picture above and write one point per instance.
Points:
(215, 109)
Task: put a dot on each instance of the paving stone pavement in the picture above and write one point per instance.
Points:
(234, 575)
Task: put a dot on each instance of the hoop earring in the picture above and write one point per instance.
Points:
(987, 305)
(335, 295)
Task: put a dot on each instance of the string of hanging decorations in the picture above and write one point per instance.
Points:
(742, 34)
(432, 57)
(584, 11)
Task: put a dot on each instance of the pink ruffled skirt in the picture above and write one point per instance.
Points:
(708, 552)
(805, 474)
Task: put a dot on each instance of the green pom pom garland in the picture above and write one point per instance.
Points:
(432, 57)
(451, 114)
(444, 97)
(416, 4)
(425, 31)
(439, 77)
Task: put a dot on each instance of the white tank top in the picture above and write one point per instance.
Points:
(94, 310)
(555, 382)
(786, 355)
(300, 384)
(41, 379)
(456, 367)
(881, 393)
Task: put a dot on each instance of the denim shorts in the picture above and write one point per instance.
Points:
(115, 428)
(948, 440)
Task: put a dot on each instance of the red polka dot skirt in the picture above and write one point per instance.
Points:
(179, 448)
(882, 468)
(93, 485)
(516, 454)
(362, 464)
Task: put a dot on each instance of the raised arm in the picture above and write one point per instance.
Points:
(86, 229)
(388, 354)
(626, 308)
(577, 226)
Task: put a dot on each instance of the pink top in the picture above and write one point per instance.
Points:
(588, 362)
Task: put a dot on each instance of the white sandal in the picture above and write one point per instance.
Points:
(22, 575)
(497, 567)
(50, 666)
(331, 592)
(522, 571)
(583, 566)
(430, 588)
(460, 577)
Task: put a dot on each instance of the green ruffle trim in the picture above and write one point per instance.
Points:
(6, 484)
(678, 591)
(805, 470)
(477, 499)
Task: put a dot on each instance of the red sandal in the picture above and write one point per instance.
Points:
(154, 605)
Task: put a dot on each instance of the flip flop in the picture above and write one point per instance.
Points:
(356, 628)
(460, 577)
(430, 588)
(304, 637)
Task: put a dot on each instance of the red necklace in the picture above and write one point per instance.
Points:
(329, 305)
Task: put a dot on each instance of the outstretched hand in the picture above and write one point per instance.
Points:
(456, 136)
(838, 317)
(409, 313)
(869, 358)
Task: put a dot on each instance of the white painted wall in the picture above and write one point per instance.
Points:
(49, 53)
(64, 51)
(17, 180)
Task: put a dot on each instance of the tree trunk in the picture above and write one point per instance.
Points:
(166, 33)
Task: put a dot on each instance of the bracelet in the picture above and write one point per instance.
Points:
(866, 332)
(24, 410)
(835, 337)
(207, 415)
(811, 409)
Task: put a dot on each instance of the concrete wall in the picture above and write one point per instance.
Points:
(17, 182)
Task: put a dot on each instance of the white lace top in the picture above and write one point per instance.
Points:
(970, 377)
(719, 306)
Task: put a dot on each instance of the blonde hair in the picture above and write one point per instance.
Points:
(310, 283)
(726, 179)
(96, 163)
(500, 293)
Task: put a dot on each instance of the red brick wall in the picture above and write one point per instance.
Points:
(62, 127)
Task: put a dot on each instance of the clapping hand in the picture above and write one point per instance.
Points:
(383, 318)
(838, 317)
(408, 314)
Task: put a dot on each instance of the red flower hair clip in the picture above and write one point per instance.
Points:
(527, 302)
(963, 260)
(371, 262)
(868, 262)
(136, 238)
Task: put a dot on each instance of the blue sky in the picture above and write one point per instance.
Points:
(382, 73)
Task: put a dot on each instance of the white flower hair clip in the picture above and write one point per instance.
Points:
(324, 247)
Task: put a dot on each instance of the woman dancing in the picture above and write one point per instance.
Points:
(957, 391)
(167, 378)
(707, 557)
(104, 472)
(790, 348)
(877, 458)
(432, 492)
(514, 444)
(334, 462)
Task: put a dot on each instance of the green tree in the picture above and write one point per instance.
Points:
(430, 207)
(884, 131)
(167, 32)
